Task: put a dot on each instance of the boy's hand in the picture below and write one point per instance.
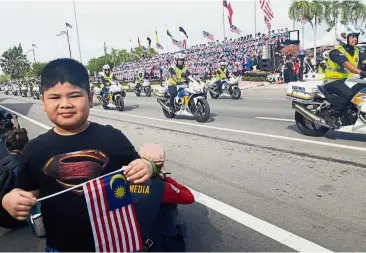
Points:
(138, 171)
(19, 203)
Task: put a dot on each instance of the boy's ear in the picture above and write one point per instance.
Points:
(91, 99)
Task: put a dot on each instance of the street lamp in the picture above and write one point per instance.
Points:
(67, 35)
(32, 50)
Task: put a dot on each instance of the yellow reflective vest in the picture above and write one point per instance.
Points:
(179, 73)
(334, 71)
(108, 79)
(221, 75)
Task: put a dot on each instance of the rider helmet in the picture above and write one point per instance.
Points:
(348, 30)
(222, 64)
(177, 57)
(106, 68)
(325, 54)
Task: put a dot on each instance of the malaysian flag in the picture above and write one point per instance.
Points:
(159, 46)
(208, 35)
(68, 25)
(177, 43)
(267, 22)
(112, 214)
(234, 29)
(265, 6)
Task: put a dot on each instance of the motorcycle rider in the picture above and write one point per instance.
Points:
(107, 78)
(221, 75)
(323, 64)
(139, 79)
(178, 72)
(344, 61)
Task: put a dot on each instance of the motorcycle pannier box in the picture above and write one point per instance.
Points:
(302, 90)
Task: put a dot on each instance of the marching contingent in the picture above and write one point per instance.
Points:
(81, 191)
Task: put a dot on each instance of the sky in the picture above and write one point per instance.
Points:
(115, 22)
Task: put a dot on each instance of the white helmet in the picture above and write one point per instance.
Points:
(348, 30)
(106, 67)
(179, 56)
(325, 54)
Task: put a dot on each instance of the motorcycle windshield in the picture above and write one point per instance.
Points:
(147, 199)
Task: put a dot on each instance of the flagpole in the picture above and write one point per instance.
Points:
(77, 31)
(255, 17)
(223, 20)
(68, 40)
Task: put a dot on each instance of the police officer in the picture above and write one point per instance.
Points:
(107, 78)
(177, 74)
(221, 75)
(344, 61)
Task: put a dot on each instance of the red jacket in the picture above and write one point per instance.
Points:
(176, 193)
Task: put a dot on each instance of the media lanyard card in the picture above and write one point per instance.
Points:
(37, 224)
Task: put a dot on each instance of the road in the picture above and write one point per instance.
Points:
(273, 188)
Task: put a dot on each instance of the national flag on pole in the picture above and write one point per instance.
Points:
(183, 31)
(234, 29)
(208, 35)
(230, 10)
(175, 42)
(224, 2)
(157, 37)
(184, 45)
(34, 45)
(169, 34)
(138, 40)
(149, 41)
(68, 25)
(112, 214)
(159, 46)
(265, 6)
(267, 22)
(230, 20)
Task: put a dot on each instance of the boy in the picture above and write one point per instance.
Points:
(73, 152)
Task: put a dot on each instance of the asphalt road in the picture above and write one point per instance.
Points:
(250, 157)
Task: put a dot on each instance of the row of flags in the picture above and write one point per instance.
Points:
(264, 5)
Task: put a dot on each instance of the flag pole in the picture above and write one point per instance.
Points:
(68, 40)
(255, 17)
(223, 21)
(77, 31)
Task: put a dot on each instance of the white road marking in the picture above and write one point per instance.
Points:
(278, 234)
(276, 119)
(257, 98)
(202, 125)
(334, 145)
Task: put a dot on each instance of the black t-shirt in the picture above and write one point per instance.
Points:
(53, 163)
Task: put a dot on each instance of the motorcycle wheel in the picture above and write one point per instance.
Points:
(202, 111)
(235, 93)
(137, 94)
(120, 105)
(167, 114)
(303, 125)
(148, 91)
(214, 96)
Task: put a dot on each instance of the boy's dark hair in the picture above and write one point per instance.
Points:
(64, 70)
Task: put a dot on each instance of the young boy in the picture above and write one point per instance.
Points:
(73, 152)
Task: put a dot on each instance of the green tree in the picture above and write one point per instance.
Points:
(4, 78)
(14, 62)
(36, 69)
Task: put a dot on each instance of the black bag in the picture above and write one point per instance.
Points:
(8, 172)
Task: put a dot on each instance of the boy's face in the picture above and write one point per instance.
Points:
(67, 106)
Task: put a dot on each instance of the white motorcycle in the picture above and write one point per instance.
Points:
(36, 93)
(311, 107)
(144, 87)
(229, 87)
(24, 91)
(114, 93)
(190, 101)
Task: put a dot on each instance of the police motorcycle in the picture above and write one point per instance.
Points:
(36, 93)
(115, 92)
(311, 108)
(190, 101)
(6, 89)
(16, 90)
(229, 87)
(24, 90)
(144, 87)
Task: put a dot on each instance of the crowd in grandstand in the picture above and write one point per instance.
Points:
(242, 54)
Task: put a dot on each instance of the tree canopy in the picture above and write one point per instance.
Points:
(14, 62)
(116, 57)
(36, 69)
